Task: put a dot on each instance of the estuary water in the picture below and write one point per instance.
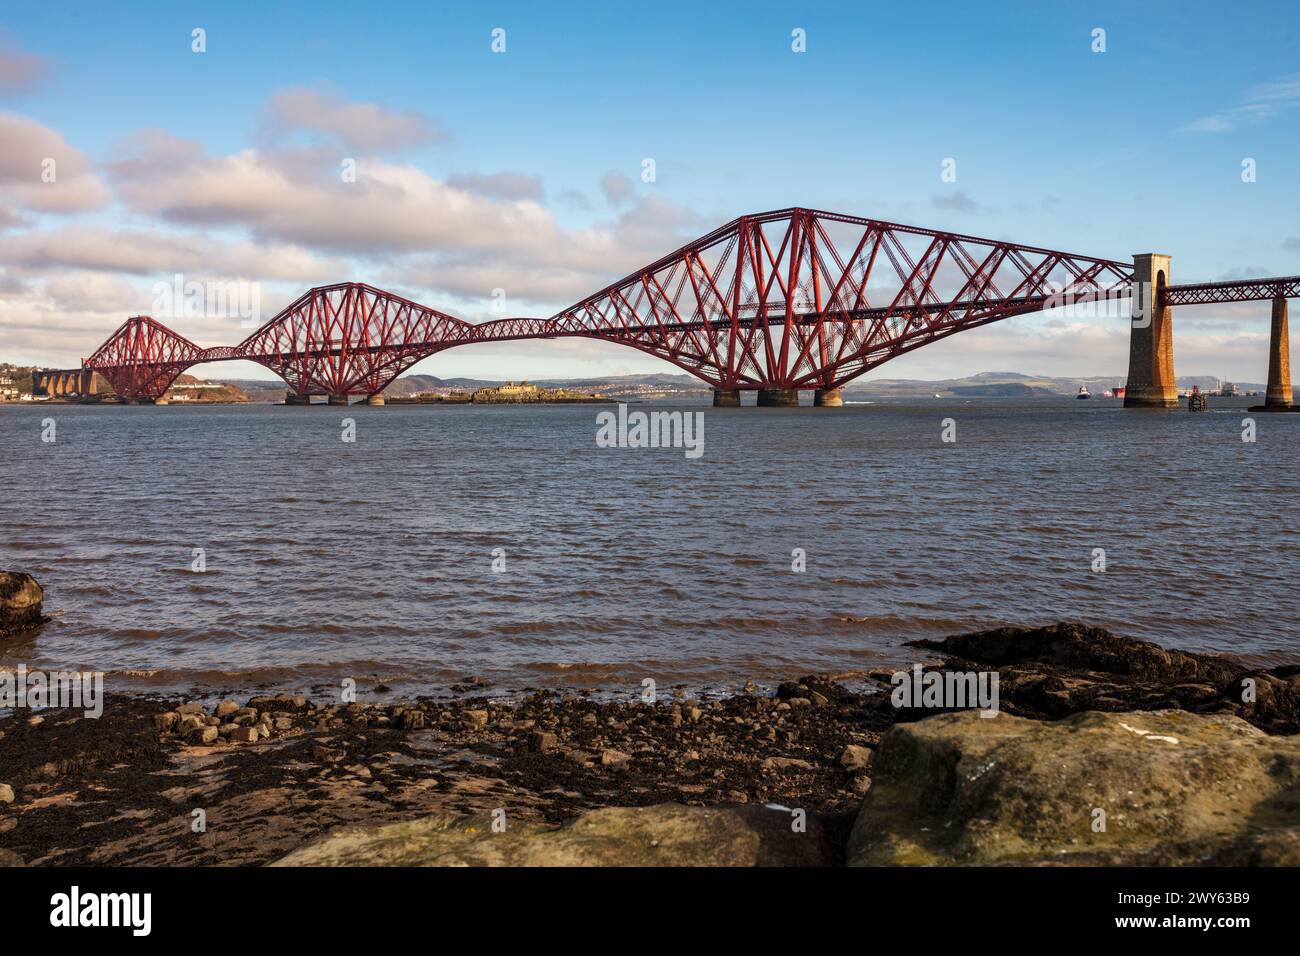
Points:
(502, 543)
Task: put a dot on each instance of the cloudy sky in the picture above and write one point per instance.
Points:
(315, 143)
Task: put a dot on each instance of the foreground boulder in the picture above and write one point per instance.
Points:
(663, 835)
(1148, 788)
(21, 600)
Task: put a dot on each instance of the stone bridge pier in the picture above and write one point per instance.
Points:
(1151, 382)
(62, 383)
(1278, 397)
(1279, 358)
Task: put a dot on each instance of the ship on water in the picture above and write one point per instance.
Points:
(1083, 392)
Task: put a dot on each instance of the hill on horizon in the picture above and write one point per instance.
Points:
(984, 383)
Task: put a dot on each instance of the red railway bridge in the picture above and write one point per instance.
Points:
(776, 302)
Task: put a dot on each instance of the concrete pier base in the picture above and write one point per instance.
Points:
(375, 399)
(778, 397)
(828, 398)
(726, 398)
(338, 399)
(293, 398)
(1151, 382)
(1279, 358)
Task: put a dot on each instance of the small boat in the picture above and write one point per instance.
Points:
(1083, 392)
(937, 395)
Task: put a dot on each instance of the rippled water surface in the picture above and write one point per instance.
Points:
(374, 559)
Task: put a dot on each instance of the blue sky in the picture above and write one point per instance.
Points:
(1138, 148)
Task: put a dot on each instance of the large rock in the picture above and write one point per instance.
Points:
(1068, 668)
(21, 600)
(1175, 787)
(1083, 648)
(664, 835)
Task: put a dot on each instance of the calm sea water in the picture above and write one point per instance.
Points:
(374, 559)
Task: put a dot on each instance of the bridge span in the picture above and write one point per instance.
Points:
(776, 302)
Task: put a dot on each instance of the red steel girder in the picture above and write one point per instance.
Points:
(792, 298)
(798, 298)
(349, 338)
(143, 357)
(1242, 290)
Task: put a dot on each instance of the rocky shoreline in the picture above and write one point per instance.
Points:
(164, 782)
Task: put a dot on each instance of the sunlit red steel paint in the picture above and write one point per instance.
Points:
(793, 298)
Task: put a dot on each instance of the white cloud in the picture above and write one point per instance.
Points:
(94, 292)
(160, 254)
(1261, 102)
(616, 187)
(300, 197)
(498, 185)
(959, 201)
(364, 127)
(455, 236)
(33, 154)
(20, 72)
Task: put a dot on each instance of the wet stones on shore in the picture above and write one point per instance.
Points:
(812, 744)
(546, 756)
(809, 742)
(260, 719)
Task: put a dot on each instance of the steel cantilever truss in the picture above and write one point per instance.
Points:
(143, 357)
(1241, 290)
(793, 298)
(803, 299)
(350, 338)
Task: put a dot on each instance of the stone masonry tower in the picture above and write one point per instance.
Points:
(1279, 359)
(1151, 342)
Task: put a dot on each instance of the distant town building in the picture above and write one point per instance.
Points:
(511, 392)
(527, 392)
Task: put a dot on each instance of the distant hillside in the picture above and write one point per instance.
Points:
(614, 386)
(985, 384)
(999, 390)
(21, 375)
(1010, 384)
(413, 384)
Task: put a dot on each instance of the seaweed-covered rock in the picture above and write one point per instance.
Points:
(1067, 668)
